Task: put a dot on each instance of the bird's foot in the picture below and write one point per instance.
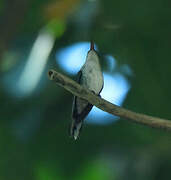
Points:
(96, 94)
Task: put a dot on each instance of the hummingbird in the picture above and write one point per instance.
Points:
(90, 76)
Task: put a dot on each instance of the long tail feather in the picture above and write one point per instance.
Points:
(76, 128)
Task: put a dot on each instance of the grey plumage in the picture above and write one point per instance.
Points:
(90, 76)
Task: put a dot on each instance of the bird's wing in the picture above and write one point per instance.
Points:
(74, 108)
(81, 107)
(80, 110)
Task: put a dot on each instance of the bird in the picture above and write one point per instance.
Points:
(91, 77)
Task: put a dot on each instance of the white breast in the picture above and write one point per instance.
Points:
(92, 77)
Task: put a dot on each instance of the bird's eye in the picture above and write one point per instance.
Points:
(51, 74)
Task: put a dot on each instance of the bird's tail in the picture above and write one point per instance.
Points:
(76, 128)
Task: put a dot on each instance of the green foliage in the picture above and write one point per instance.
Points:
(97, 170)
(47, 172)
(56, 27)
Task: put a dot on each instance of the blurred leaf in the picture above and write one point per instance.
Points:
(45, 172)
(61, 9)
(97, 170)
(56, 27)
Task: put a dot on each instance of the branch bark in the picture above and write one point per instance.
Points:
(106, 106)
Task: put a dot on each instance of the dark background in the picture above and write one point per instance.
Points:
(34, 141)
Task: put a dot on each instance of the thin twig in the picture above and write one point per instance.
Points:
(106, 106)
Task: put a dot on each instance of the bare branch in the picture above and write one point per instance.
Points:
(104, 105)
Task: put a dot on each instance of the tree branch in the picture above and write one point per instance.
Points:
(106, 106)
